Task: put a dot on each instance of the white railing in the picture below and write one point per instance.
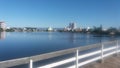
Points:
(101, 57)
(105, 49)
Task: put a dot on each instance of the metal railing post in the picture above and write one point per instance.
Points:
(77, 53)
(31, 63)
(102, 47)
(117, 47)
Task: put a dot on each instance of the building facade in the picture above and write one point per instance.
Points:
(3, 25)
(72, 26)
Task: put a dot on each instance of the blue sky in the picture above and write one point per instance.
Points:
(59, 13)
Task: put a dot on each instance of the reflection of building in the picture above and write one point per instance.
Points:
(49, 35)
(2, 35)
(72, 37)
(2, 25)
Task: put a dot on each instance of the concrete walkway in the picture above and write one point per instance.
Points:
(110, 62)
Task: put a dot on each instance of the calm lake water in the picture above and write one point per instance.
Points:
(23, 44)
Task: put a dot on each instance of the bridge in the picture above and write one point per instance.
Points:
(100, 55)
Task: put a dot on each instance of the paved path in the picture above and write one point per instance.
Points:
(111, 62)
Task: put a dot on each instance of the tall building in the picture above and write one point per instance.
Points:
(88, 28)
(3, 25)
(72, 26)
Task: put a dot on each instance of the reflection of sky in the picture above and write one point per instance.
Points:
(79, 39)
(18, 44)
(87, 38)
(50, 35)
(2, 35)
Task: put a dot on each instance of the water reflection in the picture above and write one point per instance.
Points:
(2, 35)
(50, 35)
(72, 37)
(87, 38)
(20, 44)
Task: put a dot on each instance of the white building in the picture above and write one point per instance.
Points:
(72, 26)
(2, 25)
(50, 29)
(88, 28)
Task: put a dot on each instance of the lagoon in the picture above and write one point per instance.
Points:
(22, 44)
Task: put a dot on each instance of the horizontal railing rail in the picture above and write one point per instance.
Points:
(31, 59)
(78, 57)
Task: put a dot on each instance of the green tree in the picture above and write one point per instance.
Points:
(9, 30)
(1, 29)
(97, 30)
(112, 29)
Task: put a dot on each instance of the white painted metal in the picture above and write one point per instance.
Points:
(58, 63)
(86, 62)
(73, 58)
(96, 52)
(77, 53)
(117, 47)
(94, 59)
(31, 63)
(102, 46)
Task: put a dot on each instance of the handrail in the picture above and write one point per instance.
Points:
(25, 60)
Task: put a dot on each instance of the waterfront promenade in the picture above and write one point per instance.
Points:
(110, 62)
